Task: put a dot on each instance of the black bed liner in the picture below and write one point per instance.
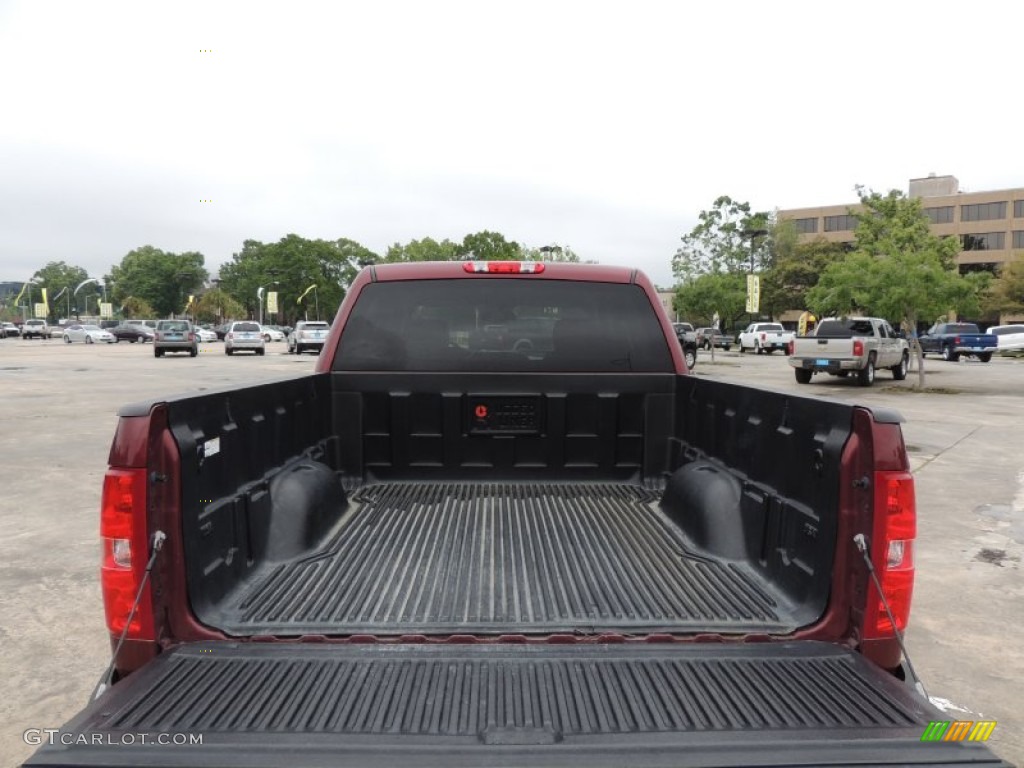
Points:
(303, 704)
(498, 557)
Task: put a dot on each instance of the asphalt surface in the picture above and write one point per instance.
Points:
(58, 408)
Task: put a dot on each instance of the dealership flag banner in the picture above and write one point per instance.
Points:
(753, 293)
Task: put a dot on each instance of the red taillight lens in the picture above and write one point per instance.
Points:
(229, 335)
(504, 267)
(892, 553)
(123, 534)
(790, 348)
(858, 348)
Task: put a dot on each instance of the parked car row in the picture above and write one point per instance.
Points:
(181, 335)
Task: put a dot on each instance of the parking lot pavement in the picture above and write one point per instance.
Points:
(58, 410)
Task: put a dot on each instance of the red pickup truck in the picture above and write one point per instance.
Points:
(499, 525)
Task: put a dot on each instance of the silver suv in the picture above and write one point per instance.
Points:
(175, 336)
(308, 334)
(244, 334)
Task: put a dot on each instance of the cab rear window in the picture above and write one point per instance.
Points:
(513, 324)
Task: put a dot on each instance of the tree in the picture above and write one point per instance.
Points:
(794, 271)
(1006, 292)
(551, 253)
(426, 249)
(216, 306)
(727, 239)
(898, 270)
(133, 307)
(163, 279)
(291, 266)
(699, 299)
(488, 246)
(57, 276)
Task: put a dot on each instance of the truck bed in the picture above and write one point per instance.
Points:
(362, 504)
(303, 704)
(499, 557)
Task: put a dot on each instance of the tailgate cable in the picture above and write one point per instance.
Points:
(862, 547)
(158, 541)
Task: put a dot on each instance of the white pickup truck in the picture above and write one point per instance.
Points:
(765, 338)
(841, 346)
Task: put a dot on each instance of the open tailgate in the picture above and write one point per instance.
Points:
(302, 704)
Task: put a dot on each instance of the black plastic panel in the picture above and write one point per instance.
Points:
(524, 557)
(232, 444)
(408, 426)
(767, 704)
(786, 454)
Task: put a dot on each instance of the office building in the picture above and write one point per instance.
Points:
(989, 225)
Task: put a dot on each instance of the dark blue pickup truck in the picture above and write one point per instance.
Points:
(954, 339)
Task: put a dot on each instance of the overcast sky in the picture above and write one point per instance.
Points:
(603, 126)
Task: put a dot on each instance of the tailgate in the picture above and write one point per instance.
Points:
(255, 704)
(823, 348)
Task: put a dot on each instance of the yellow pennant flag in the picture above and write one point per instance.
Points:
(20, 294)
(46, 302)
(303, 294)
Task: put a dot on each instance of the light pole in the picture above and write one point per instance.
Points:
(216, 287)
(77, 289)
(751, 308)
(63, 291)
(30, 308)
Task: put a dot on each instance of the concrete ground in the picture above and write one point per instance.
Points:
(58, 408)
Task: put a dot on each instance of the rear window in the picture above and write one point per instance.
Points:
(962, 328)
(843, 329)
(246, 327)
(313, 326)
(514, 324)
(1006, 330)
(770, 327)
(172, 325)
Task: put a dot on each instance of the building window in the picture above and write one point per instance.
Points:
(988, 266)
(983, 212)
(1018, 209)
(1018, 238)
(806, 226)
(840, 223)
(942, 214)
(984, 241)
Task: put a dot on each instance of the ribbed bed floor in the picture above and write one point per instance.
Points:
(462, 557)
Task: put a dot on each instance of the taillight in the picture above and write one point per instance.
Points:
(504, 267)
(956, 340)
(229, 335)
(858, 348)
(123, 534)
(892, 553)
(791, 348)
